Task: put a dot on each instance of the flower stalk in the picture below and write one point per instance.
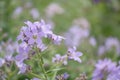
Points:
(41, 63)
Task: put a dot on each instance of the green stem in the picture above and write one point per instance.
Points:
(41, 63)
(35, 75)
(54, 75)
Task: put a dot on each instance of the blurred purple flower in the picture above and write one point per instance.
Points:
(92, 41)
(42, 47)
(112, 43)
(17, 12)
(21, 57)
(75, 36)
(101, 50)
(2, 61)
(73, 54)
(35, 13)
(103, 68)
(22, 67)
(53, 9)
(8, 49)
(56, 39)
(65, 75)
(115, 75)
(60, 59)
(43, 28)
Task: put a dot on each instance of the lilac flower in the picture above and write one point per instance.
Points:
(103, 69)
(9, 47)
(92, 41)
(77, 33)
(42, 47)
(43, 28)
(23, 52)
(7, 51)
(115, 75)
(60, 59)
(17, 12)
(112, 43)
(53, 9)
(9, 58)
(73, 54)
(32, 34)
(24, 48)
(2, 61)
(66, 75)
(101, 50)
(82, 22)
(56, 39)
(35, 13)
(75, 36)
(22, 67)
(21, 57)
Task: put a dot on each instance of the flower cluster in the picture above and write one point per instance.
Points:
(77, 33)
(115, 75)
(32, 11)
(110, 44)
(30, 45)
(53, 9)
(71, 54)
(7, 50)
(31, 37)
(106, 69)
(60, 59)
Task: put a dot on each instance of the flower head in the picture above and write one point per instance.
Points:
(112, 43)
(31, 38)
(2, 61)
(115, 75)
(73, 54)
(76, 35)
(35, 13)
(54, 9)
(103, 69)
(60, 59)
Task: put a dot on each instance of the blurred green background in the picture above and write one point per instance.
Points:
(103, 15)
